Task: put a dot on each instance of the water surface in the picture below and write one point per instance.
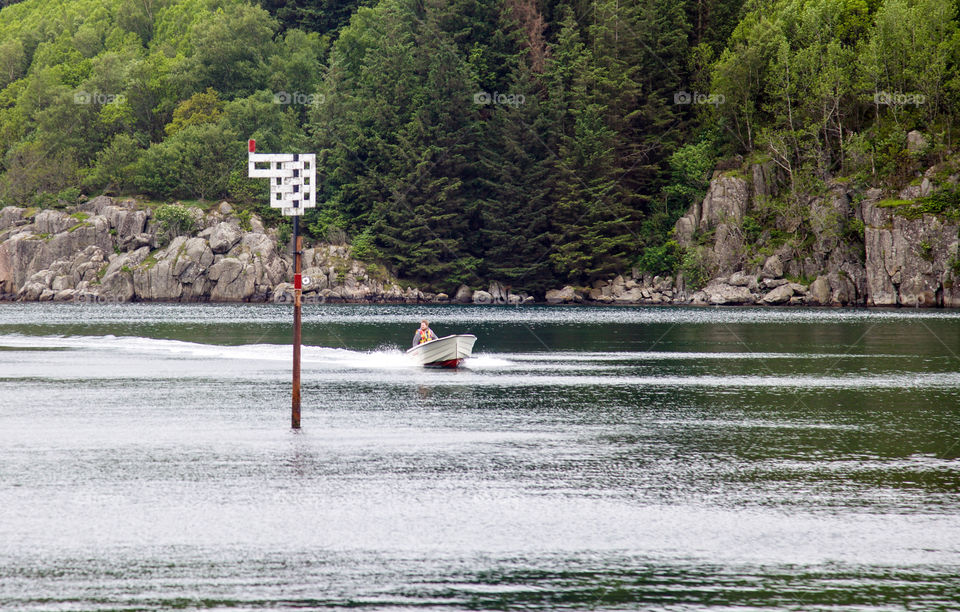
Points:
(585, 458)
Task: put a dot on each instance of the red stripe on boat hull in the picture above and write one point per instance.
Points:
(449, 363)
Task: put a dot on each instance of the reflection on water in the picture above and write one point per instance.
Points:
(585, 458)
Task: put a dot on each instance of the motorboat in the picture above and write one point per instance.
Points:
(446, 352)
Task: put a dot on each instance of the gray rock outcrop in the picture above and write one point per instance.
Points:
(909, 261)
(105, 251)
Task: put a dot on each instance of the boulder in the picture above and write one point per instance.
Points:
(318, 279)
(16, 255)
(97, 204)
(773, 267)
(67, 295)
(141, 240)
(283, 293)
(561, 296)
(131, 226)
(842, 288)
(686, 226)
(224, 236)
(482, 297)
(780, 295)
(11, 216)
(156, 282)
(722, 293)
(631, 296)
(118, 286)
(498, 293)
(742, 279)
(234, 283)
(820, 291)
(31, 291)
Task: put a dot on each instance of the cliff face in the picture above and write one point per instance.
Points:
(106, 251)
(851, 246)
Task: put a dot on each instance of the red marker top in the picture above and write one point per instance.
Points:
(252, 145)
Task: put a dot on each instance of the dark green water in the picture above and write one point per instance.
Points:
(585, 458)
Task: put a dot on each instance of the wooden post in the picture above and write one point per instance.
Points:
(292, 189)
(297, 288)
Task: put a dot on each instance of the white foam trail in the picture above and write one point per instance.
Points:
(380, 359)
(315, 355)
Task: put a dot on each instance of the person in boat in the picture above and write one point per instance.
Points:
(424, 334)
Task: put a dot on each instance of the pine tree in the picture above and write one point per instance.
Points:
(517, 172)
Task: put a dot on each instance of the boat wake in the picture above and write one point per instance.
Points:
(315, 356)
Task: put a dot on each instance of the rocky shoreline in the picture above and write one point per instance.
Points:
(108, 251)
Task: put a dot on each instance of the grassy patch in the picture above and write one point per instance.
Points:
(150, 260)
(894, 203)
(802, 280)
(944, 203)
(80, 215)
(102, 272)
(244, 216)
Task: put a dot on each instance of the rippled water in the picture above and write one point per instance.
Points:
(585, 458)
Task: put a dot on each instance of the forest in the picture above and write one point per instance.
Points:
(534, 142)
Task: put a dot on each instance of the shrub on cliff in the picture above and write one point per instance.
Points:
(173, 220)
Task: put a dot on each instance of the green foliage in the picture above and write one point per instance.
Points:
(664, 259)
(954, 266)
(751, 229)
(854, 230)
(691, 166)
(35, 170)
(284, 234)
(944, 202)
(173, 220)
(196, 162)
(115, 165)
(200, 108)
(695, 270)
(582, 174)
(364, 247)
(245, 217)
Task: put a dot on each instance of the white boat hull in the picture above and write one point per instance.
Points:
(446, 352)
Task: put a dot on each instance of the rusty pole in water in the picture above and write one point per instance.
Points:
(297, 288)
